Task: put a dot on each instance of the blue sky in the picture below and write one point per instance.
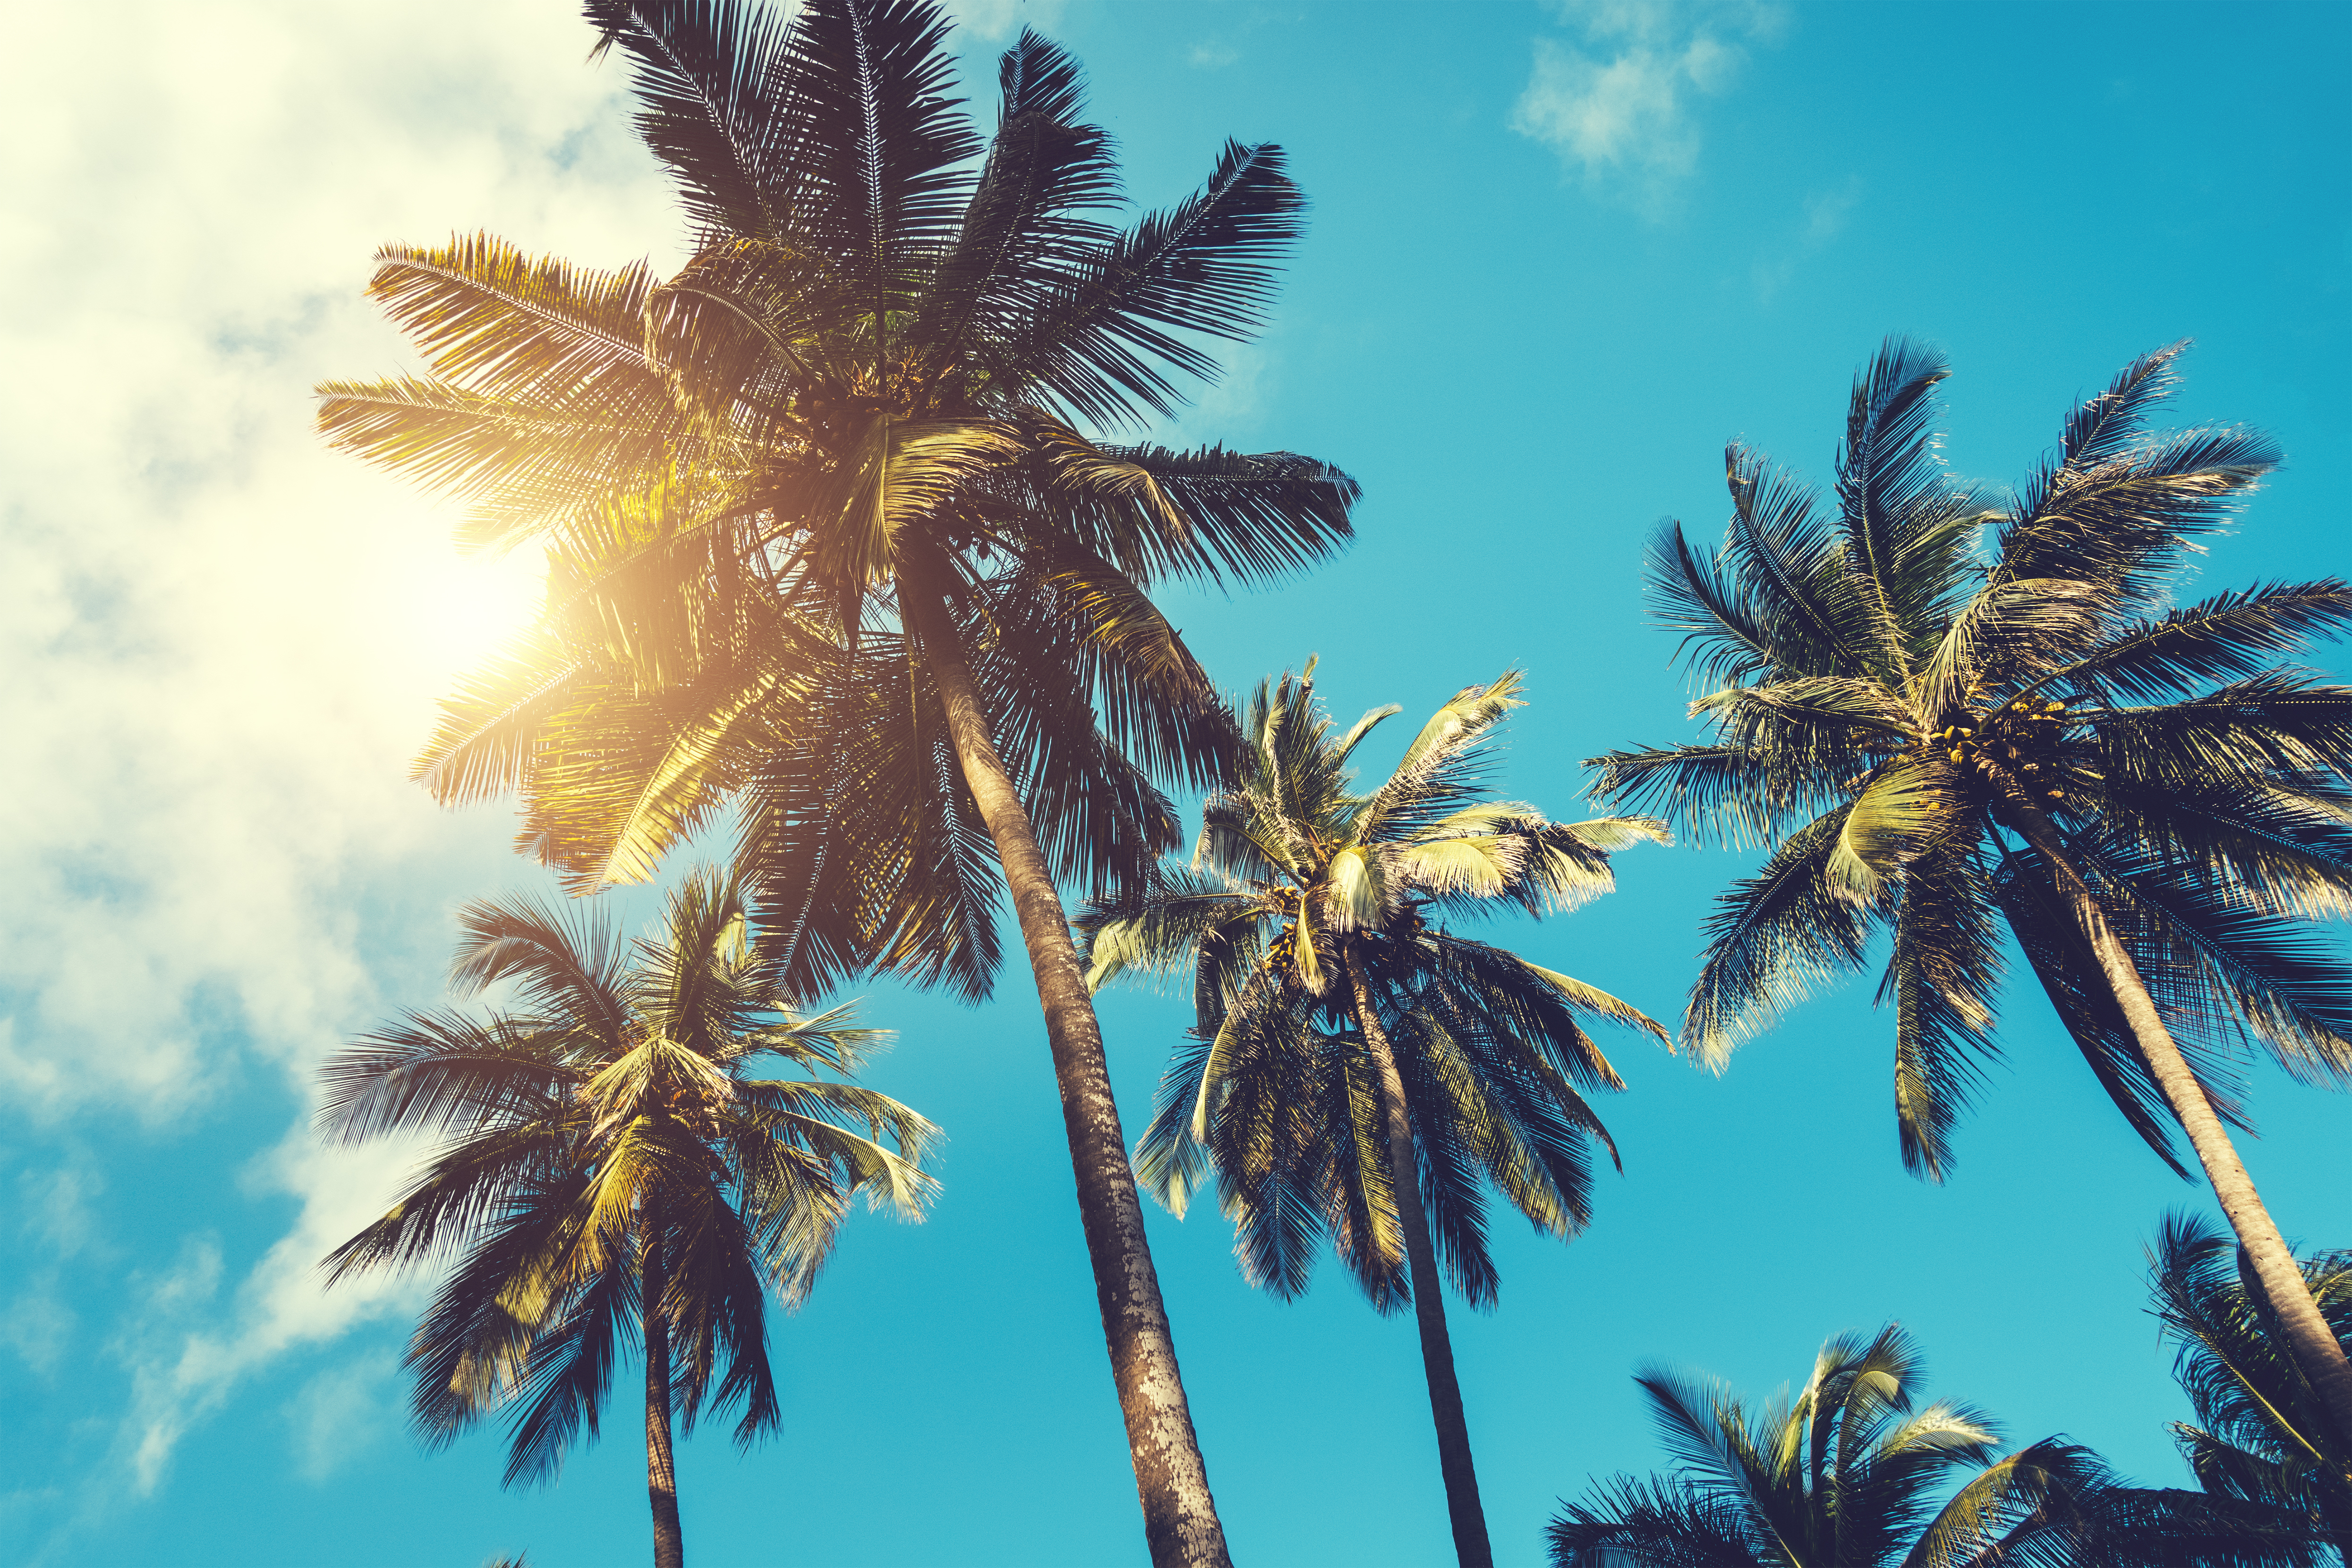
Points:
(1559, 255)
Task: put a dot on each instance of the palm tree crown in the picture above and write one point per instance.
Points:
(609, 1161)
(1894, 706)
(850, 431)
(1358, 1070)
(2261, 1434)
(1938, 744)
(1848, 1474)
(1298, 878)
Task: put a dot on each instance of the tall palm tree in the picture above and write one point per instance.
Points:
(2260, 1435)
(611, 1164)
(1845, 1475)
(836, 545)
(1357, 1070)
(1937, 744)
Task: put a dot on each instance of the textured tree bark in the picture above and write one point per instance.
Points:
(1463, 1508)
(1171, 1479)
(2307, 1336)
(661, 1464)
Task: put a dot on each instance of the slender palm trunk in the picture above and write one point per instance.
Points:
(661, 1463)
(1462, 1506)
(1180, 1516)
(2307, 1336)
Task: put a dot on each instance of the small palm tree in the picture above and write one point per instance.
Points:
(611, 1166)
(2260, 1435)
(1937, 744)
(1846, 1475)
(1358, 1070)
(840, 548)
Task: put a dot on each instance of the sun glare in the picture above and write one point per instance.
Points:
(465, 609)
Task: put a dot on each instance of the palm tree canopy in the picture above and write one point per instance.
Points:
(1901, 672)
(619, 1106)
(1296, 869)
(882, 364)
(1852, 1472)
(2260, 1433)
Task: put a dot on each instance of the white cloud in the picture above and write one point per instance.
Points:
(187, 1350)
(1616, 106)
(1213, 56)
(996, 20)
(38, 1325)
(223, 641)
(340, 1414)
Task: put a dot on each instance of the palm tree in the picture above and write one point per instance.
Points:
(2261, 1436)
(1357, 1071)
(835, 545)
(1843, 1476)
(610, 1166)
(1936, 744)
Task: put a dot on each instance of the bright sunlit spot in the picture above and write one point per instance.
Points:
(457, 611)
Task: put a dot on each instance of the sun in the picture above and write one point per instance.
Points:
(456, 612)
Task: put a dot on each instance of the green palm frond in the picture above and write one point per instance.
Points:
(1941, 978)
(1772, 938)
(608, 1116)
(1205, 266)
(1896, 817)
(2229, 636)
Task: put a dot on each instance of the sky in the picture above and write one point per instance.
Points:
(1558, 254)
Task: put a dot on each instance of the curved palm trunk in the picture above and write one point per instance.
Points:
(661, 1464)
(1462, 1506)
(1180, 1517)
(2308, 1337)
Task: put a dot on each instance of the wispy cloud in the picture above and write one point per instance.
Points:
(1616, 102)
(1825, 216)
(1212, 55)
(188, 1346)
(340, 1412)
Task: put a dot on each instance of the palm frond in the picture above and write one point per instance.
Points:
(1942, 978)
(1204, 266)
(1772, 938)
(2227, 637)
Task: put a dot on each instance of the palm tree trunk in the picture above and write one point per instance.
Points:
(1180, 1517)
(1462, 1505)
(2307, 1336)
(661, 1464)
